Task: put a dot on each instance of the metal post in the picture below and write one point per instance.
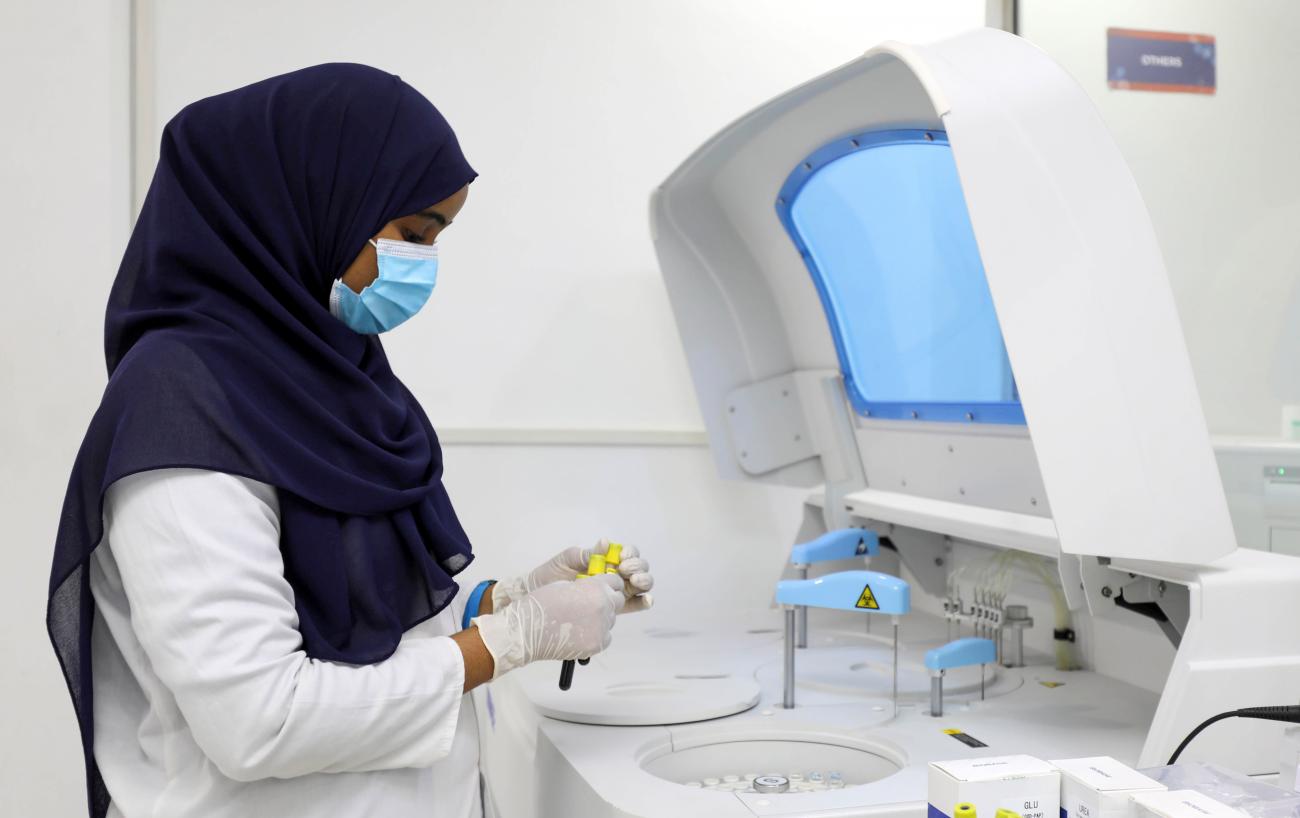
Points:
(788, 698)
(801, 612)
(895, 665)
(936, 693)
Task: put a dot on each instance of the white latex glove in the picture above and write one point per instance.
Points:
(562, 620)
(570, 562)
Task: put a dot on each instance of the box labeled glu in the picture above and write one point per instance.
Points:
(1182, 804)
(1101, 787)
(1022, 784)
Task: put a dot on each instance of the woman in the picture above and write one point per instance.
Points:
(252, 595)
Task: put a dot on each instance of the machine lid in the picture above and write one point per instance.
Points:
(1072, 267)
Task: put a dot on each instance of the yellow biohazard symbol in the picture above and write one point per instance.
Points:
(868, 599)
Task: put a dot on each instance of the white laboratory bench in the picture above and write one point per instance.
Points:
(553, 767)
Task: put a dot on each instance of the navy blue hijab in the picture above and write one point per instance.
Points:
(222, 355)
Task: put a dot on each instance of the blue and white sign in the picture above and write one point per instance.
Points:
(1160, 61)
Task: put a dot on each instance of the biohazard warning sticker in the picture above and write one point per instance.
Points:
(868, 599)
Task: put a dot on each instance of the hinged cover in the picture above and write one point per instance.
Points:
(1072, 266)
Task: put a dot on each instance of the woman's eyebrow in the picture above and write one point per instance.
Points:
(435, 215)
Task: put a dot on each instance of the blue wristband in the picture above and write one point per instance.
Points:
(475, 601)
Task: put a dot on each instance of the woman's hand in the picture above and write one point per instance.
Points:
(560, 620)
(568, 564)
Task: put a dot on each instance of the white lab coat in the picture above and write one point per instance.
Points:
(205, 704)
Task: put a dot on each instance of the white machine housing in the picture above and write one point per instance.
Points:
(1113, 475)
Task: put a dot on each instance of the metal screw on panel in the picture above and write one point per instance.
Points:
(970, 415)
(807, 166)
(915, 414)
(744, 454)
(731, 409)
(1160, 588)
(950, 447)
(854, 143)
(929, 137)
(904, 482)
(785, 393)
(961, 491)
(1106, 591)
(781, 200)
(1033, 501)
(798, 438)
(938, 561)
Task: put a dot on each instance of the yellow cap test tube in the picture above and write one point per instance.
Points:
(597, 564)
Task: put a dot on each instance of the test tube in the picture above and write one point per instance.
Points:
(596, 565)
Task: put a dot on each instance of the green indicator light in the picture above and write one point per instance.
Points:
(1281, 472)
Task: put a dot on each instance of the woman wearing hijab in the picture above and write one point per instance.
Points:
(253, 595)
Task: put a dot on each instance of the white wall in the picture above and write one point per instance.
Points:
(711, 542)
(63, 221)
(571, 112)
(1222, 181)
(550, 315)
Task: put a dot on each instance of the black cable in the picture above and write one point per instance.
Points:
(1173, 758)
(1288, 712)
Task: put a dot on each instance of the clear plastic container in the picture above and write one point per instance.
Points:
(1253, 797)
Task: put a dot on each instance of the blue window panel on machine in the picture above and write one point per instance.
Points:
(881, 223)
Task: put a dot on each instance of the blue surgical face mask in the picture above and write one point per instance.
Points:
(407, 273)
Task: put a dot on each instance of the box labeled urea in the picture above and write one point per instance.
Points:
(1101, 787)
(1022, 784)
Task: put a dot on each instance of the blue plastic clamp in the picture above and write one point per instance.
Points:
(861, 591)
(962, 652)
(836, 545)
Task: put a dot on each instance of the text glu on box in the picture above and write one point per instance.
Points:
(1020, 783)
